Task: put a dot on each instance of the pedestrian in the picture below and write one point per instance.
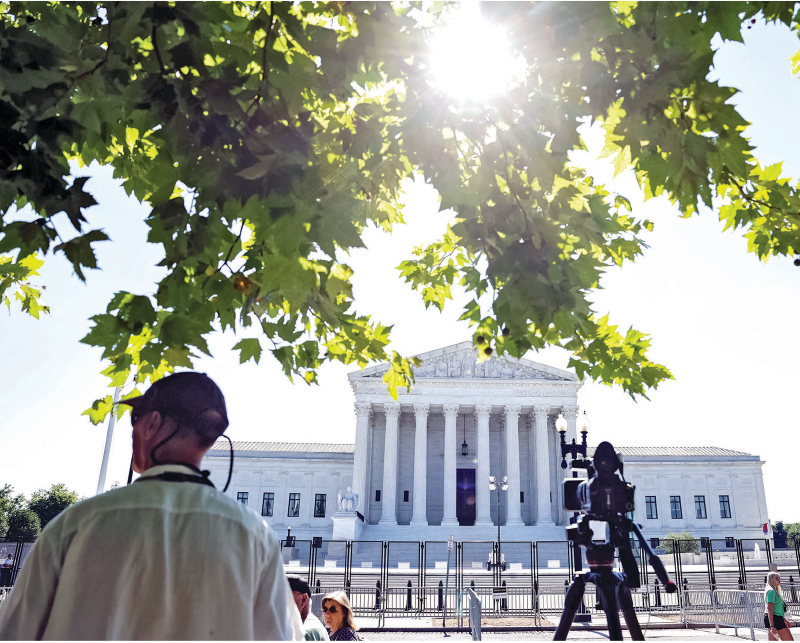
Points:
(6, 568)
(339, 617)
(312, 626)
(167, 557)
(775, 618)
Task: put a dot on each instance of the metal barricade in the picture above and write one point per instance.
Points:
(727, 608)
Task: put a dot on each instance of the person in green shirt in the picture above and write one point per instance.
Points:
(775, 619)
(312, 626)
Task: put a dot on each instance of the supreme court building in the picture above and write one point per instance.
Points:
(420, 466)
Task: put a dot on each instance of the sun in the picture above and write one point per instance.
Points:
(471, 59)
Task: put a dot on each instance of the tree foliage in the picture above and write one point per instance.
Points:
(8, 503)
(48, 503)
(779, 534)
(793, 534)
(682, 541)
(266, 135)
(23, 525)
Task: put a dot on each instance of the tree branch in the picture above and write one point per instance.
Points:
(752, 200)
(154, 38)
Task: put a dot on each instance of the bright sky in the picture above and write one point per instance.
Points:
(723, 322)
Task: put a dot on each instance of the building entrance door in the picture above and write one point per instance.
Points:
(465, 496)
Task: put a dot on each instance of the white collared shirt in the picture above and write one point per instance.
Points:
(154, 560)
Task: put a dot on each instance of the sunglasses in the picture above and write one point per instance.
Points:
(331, 609)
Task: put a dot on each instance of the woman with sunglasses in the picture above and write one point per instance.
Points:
(338, 617)
(776, 620)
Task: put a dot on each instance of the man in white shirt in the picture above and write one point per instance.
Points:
(167, 557)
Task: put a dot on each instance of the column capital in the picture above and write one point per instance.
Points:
(570, 412)
(421, 410)
(450, 410)
(363, 409)
(391, 409)
(541, 410)
(512, 409)
(483, 411)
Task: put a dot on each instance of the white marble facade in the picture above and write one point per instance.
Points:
(413, 483)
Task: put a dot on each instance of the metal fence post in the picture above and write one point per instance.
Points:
(474, 615)
(713, 600)
(750, 616)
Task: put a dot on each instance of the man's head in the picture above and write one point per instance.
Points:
(180, 417)
(302, 594)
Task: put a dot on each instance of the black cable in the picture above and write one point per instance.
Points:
(230, 468)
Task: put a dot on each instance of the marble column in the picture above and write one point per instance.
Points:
(449, 518)
(514, 514)
(542, 467)
(389, 492)
(419, 516)
(361, 456)
(571, 416)
(483, 510)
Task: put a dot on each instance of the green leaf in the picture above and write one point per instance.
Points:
(249, 348)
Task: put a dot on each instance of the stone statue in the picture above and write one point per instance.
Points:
(348, 501)
(455, 368)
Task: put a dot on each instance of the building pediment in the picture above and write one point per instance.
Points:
(460, 362)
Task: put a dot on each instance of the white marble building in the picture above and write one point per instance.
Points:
(413, 481)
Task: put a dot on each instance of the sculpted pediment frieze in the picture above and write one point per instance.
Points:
(464, 364)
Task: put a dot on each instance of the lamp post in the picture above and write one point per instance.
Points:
(574, 450)
(498, 565)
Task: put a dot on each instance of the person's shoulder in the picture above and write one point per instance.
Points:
(314, 629)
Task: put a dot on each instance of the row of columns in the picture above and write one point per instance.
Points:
(540, 462)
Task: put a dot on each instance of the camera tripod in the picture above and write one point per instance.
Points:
(615, 593)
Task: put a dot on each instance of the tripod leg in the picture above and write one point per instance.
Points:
(629, 613)
(608, 598)
(571, 603)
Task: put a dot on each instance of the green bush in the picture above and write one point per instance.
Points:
(686, 543)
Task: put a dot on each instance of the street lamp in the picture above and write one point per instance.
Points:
(499, 485)
(464, 446)
(574, 450)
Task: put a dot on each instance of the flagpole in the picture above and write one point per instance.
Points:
(101, 482)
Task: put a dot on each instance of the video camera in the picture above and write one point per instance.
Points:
(604, 493)
(605, 501)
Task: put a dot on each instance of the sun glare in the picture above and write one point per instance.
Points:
(471, 59)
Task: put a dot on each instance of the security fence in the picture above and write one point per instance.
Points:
(720, 582)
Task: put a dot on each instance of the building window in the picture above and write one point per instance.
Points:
(377, 495)
(319, 505)
(724, 507)
(267, 504)
(294, 505)
(675, 507)
(700, 507)
(241, 496)
(405, 496)
(651, 507)
(522, 496)
(655, 543)
(730, 542)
